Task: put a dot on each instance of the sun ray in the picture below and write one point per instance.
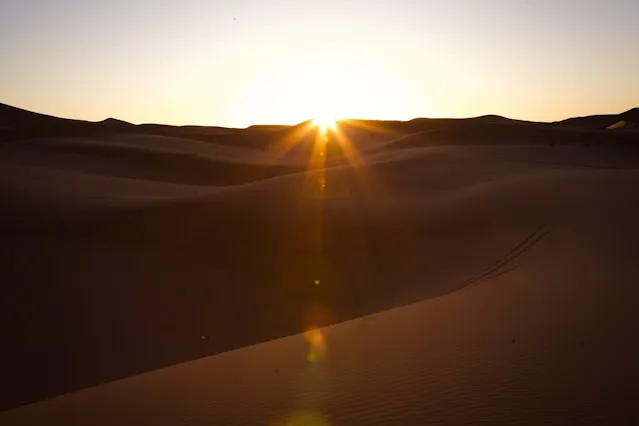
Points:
(351, 153)
(293, 137)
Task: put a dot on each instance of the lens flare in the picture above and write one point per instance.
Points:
(317, 345)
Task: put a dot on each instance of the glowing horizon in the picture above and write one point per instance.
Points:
(241, 63)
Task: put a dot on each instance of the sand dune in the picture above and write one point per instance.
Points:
(602, 121)
(487, 280)
(541, 334)
(149, 158)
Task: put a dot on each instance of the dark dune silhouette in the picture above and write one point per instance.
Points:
(267, 127)
(600, 122)
(14, 117)
(115, 122)
(129, 248)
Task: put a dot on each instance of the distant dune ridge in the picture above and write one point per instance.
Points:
(115, 122)
(595, 122)
(446, 271)
(18, 124)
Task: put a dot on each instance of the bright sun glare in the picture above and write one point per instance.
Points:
(325, 123)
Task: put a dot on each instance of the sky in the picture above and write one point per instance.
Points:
(241, 62)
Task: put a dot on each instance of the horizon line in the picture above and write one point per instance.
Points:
(310, 119)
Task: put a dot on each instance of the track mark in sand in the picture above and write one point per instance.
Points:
(499, 266)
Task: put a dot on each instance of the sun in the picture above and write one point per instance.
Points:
(325, 123)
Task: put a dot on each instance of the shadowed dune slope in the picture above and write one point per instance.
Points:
(148, 158)
(119, 291)
(471, 132)
(535, 327)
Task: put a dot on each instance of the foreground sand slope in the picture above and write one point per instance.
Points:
(543, 333)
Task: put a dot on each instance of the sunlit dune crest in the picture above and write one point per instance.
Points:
(621, 125)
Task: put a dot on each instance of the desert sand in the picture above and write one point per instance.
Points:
(458, 272)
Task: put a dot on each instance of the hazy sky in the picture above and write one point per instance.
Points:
(239, 62)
